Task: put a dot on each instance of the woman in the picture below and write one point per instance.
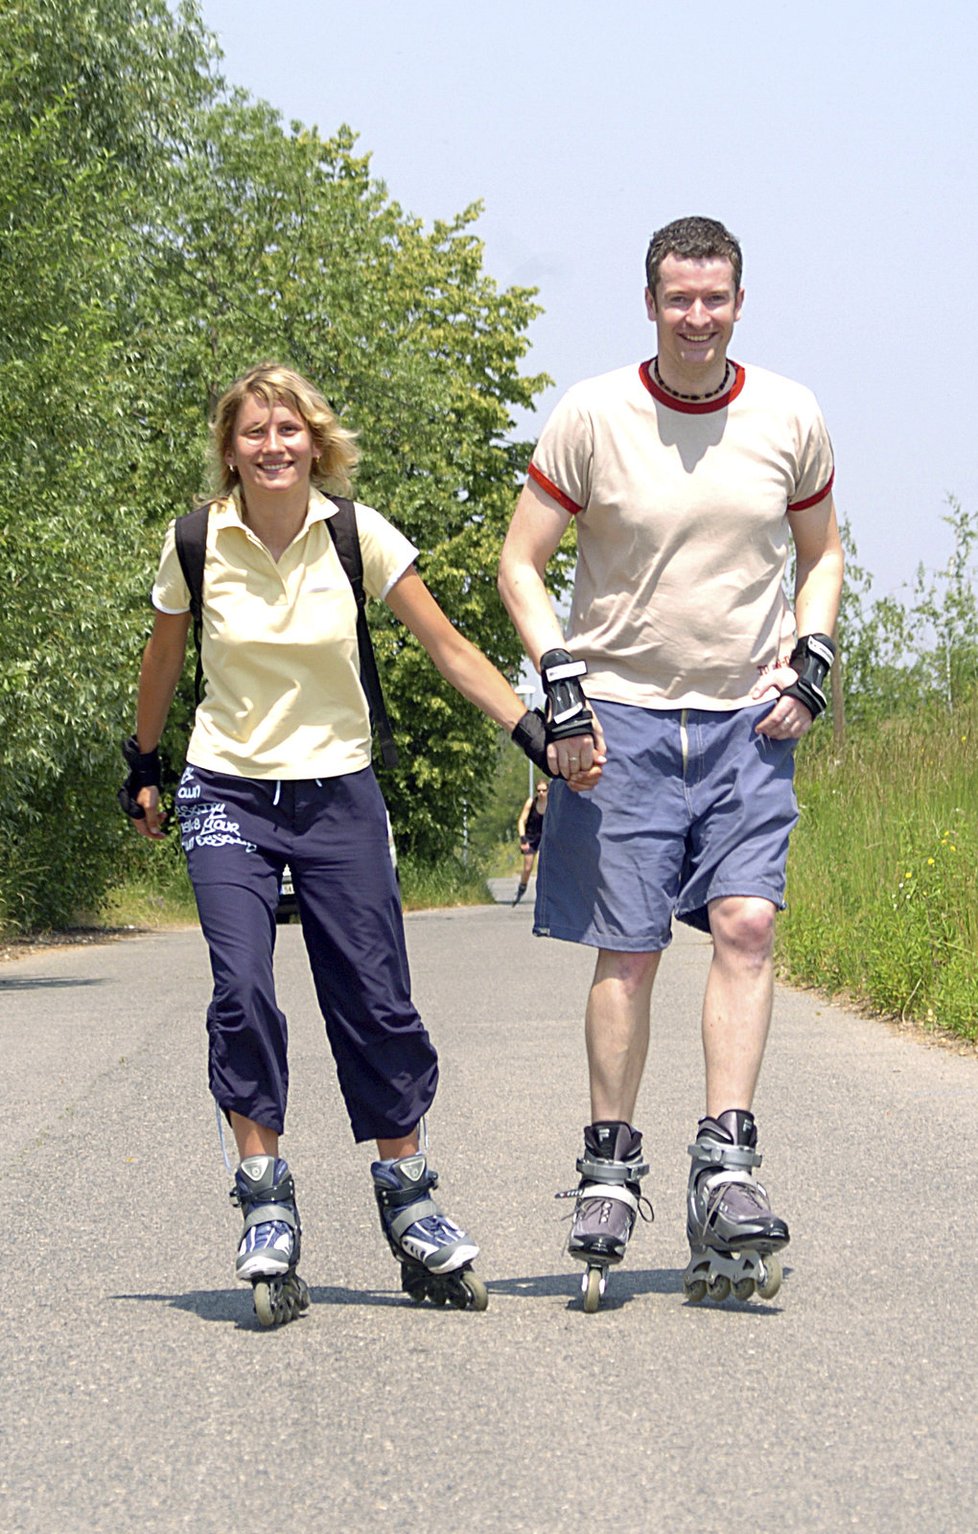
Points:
(530, 830)
(278, 771)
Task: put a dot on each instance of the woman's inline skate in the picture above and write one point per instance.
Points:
(609, 1197)
(734, 1239)
(434, 1254)
(268, 1254)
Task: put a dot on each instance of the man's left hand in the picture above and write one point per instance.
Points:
(789, 719)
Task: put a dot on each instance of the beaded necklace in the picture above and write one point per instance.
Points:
(693, 398)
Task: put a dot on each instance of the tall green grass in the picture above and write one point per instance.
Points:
(883, 872)
(446, 883)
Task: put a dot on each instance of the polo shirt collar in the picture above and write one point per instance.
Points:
(227, 512)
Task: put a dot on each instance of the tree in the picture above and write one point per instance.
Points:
(283, 245)
(162, 234)
(89, 109)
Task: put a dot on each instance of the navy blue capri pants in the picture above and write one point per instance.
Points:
(238, 834)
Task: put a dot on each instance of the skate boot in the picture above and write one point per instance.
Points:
(268, 1254)
(609, 1197)
(434, 1254)
(733, 1237)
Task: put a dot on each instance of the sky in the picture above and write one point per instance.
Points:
(836, 138)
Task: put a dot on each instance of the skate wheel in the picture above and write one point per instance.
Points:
(297, 1296)
(593, 1287)
(695, 1290)
(478, 1293)
(743, 1288)
(771, 1282)
(718, 1288)
(414, 1283)
(266, 1308)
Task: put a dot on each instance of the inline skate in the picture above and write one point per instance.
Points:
(734, 1239)
(268, 1254)
(434, 1254)
(609, 1197)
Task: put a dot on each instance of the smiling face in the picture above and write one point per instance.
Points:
(694, 308)
(272, 449)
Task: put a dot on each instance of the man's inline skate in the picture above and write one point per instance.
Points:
(609, 1197)
(734, 1239)
(268, 1254)
(434, 1254)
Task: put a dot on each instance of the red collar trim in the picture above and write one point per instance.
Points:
(688, 406)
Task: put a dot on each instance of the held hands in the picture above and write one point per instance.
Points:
(577, 758)
(564, 739)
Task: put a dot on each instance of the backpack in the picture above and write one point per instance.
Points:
(191, 541)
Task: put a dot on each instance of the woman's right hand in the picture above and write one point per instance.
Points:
(154, 816)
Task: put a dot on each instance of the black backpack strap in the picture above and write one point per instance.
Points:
(343, 531)
(191, 541)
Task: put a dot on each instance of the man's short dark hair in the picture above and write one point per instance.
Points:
(693, 239)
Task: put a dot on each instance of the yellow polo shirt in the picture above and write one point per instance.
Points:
(282, 695)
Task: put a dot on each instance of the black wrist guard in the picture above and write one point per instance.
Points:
(567, 712)
(530, 735)
(812, 658)
(144, 772)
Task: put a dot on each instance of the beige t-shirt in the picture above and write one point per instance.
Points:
(278, 647)
(683, 530)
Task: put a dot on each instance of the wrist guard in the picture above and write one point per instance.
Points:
(567, 712)
(530, 735)
(144, 772)
(812, 658)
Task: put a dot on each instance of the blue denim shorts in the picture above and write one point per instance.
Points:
(692, 806)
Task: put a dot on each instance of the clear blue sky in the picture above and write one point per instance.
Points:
(837, 139)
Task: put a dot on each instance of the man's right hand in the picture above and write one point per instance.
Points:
(579, 758)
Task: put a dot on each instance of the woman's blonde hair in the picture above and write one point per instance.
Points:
(335, 453)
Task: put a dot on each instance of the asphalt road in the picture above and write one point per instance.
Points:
(139, 1395)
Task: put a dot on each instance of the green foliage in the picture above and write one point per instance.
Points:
(87, 117)
(415, 347)
(898, 657)
(161, 234)
(496, 822)
(883, 872)
(447, 882)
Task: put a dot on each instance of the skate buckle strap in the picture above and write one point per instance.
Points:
(611, 1171)
(713, 1153)
(265, 1214)
(421, 1209)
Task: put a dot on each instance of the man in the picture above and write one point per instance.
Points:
(688, 477)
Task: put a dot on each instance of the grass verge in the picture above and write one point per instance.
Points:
(883, 872)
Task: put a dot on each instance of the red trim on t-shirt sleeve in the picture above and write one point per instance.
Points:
(549, 488)
(813, 500)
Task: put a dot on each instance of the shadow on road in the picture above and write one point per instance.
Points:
(234, 1307)
(44, 982)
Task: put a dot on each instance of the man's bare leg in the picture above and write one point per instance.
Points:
(613, 1164)
(734, 1238)
(738, 1001)
(616, 1031)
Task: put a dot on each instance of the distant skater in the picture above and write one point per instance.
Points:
(530, 830)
